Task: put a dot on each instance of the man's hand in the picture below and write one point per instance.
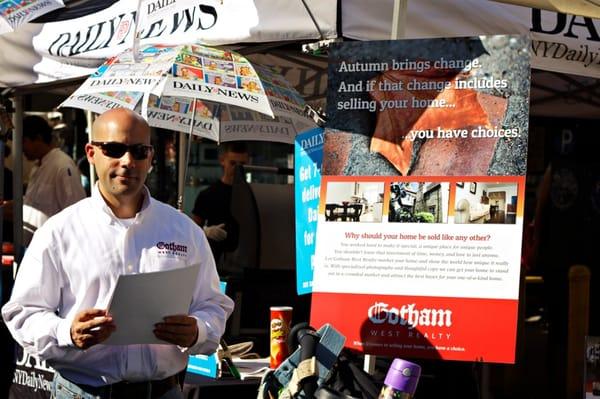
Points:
(216, 232)
(180, 330)
(91, 327)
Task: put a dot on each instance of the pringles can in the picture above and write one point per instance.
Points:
(281, 318)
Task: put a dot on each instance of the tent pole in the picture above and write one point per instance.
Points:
(181, 169)
(314, 20)
(184, 155)
(136, 39)
(399, 19)
(17, 149)
(89, 118)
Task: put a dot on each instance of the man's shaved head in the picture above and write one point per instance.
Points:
(119, 118)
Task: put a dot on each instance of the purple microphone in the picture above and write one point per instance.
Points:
(401, 380)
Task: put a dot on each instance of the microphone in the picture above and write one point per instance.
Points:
(401, 380)
(307, 338)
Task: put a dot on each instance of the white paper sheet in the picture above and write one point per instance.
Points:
(251, 368)
(142, 300)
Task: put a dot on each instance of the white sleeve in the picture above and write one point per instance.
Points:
(68, 186)
(30, 314)
(209, 306)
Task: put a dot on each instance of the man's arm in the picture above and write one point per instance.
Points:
(216, 232)
(197, 211)
(30, 314)
(199, 220)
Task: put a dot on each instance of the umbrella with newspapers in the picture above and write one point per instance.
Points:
(208, 92)
(14, 13)
(199, 90)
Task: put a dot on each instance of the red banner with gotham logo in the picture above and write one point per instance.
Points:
(423, 327)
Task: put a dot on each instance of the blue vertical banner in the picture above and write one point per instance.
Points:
(308, 151)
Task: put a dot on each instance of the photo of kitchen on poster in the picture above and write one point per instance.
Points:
(422, 196)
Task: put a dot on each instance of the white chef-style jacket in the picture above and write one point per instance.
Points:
(53, 185)
(73, 263)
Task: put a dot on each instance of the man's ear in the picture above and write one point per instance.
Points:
(151, 158)
(90, 150)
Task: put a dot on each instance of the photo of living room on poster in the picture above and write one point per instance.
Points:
(354, 202)
(486, 202)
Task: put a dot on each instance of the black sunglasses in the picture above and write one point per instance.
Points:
(114, 149)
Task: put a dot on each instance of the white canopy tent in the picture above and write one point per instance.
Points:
(564, 44)
(567, 44)
(75, 47)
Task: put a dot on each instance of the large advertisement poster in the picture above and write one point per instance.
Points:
(422, 196)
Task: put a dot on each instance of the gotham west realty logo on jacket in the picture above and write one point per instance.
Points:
(171, 249)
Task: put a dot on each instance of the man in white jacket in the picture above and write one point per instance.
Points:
(55, 182)
(57, 310)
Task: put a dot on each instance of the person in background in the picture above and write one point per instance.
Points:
(6, 129)
(58, 308)
(170, 168)
(7, 195)
(212, 208)
(53, 185)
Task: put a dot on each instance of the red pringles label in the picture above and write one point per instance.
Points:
(281, 318)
